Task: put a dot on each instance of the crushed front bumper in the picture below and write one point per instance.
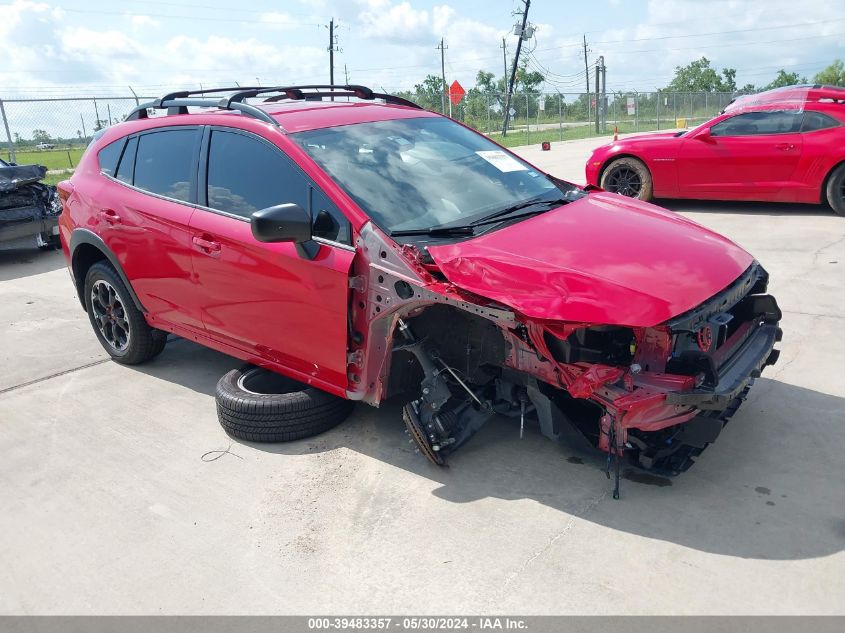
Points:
(745, 364)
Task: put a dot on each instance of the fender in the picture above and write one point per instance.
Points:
(84, 236)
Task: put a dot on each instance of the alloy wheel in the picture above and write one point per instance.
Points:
(624, 181)
(110, 315)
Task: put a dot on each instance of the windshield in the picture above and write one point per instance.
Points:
(413, 174)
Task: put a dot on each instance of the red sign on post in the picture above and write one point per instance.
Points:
(456, 92)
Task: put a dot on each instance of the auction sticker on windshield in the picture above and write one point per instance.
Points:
(501, 161)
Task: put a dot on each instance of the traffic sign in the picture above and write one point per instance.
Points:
(456, 92)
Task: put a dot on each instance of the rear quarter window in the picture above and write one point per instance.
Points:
(817, 121)
(109, 155)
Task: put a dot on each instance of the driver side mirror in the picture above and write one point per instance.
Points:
(285, 223)
(704, 135)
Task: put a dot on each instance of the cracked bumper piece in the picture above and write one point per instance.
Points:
(736, 373)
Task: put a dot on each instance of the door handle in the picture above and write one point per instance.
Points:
(110, 216)
(785, 146)
(207, 246)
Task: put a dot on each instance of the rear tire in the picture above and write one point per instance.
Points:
(835, 190)
(119, 325)
(258, 405)
(628, 177)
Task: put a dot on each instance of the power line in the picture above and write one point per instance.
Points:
(183, 17)
(760, 28)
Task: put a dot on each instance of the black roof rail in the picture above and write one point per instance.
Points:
(188, 93)
(178, 102)
(180, 106)
(318, 91)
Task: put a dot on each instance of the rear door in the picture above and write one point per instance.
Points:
(144, 215)
(267, 299)
(750, 155)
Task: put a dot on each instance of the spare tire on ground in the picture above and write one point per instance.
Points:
(259, 405)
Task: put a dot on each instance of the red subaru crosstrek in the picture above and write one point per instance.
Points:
(783, 145)
(361, 247)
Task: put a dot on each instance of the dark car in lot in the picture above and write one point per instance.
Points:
(783, 145)
(359, 247)
(29, 209)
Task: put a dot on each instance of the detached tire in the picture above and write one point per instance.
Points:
(258, 405)
(628, 177)
(835, 190)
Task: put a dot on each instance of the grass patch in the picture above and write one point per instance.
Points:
(524, 137)
(50, 158)
(54, 179)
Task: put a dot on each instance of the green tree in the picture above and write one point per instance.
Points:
(730, 79)
(699, 76)
(429, 93)
(40, 136)
(833, 75)
(784, 78)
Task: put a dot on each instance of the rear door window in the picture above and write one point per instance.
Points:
(126, 169)
(164, 163)
(759, 123)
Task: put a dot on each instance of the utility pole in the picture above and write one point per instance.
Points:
(598, 105)
(345, 75)
(442, 48)
(505, 57)
(331, 51)
(587, 72)
(603, 95)
(513, 71)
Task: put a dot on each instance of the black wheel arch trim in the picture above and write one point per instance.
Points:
(84, 236)
(823, 189)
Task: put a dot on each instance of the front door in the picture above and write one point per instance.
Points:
(267, 299)
(744, 155)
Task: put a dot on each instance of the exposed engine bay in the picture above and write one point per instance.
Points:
(29, 209)
(656, 396)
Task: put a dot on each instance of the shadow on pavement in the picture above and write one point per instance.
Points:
(746, 208)
(769, 488)
(25, 262)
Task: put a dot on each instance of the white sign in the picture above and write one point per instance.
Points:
(541, 104)
(512, 112)
(632, 106)
(502, 161)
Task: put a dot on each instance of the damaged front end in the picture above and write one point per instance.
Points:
(29, 209)
(656, 394)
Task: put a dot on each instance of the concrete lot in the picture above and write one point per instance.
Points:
(109, 504)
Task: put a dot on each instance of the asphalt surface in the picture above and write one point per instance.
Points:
(120, 493)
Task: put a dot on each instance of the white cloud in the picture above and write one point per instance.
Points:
(143, 20)
(280, 21)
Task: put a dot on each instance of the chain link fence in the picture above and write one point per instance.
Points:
(557, 116)
(54, 132)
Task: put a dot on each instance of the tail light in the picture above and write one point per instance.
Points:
(65, 189)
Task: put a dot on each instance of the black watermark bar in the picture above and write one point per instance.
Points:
(402, 623)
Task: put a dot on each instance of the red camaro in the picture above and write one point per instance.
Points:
(783, 145)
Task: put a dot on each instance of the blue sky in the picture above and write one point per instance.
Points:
(59, 47)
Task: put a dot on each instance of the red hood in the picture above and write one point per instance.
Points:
(602, 259)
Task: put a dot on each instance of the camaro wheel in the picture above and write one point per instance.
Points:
(119, 325)
(836, 190)
(259, 405)
(628, 177)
